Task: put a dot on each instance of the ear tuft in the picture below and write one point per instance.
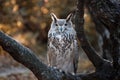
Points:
(69, 17)
(53, 16)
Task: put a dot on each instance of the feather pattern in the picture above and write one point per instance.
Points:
(63, 47)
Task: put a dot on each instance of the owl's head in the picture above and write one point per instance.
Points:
(61, 25)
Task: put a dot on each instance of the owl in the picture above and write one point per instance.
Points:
(62, 44)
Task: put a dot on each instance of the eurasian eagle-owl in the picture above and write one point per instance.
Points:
(62, 44)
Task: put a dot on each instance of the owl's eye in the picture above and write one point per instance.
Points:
(56, 24)
(65, 24)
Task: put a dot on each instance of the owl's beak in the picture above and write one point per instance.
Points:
(61, 29)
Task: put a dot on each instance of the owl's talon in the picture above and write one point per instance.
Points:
(60, 70)
(73, 73)
(55, 67)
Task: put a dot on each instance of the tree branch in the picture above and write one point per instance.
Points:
(108, 13)
(104, 69)
(79, 26)
(105, 34)
(26, 57)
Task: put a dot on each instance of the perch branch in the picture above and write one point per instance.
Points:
(26, 57)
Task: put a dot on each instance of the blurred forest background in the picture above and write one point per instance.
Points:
(28, 22)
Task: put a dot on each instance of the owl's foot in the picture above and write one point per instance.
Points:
(55, 67)
(60, 70)
(73, 73)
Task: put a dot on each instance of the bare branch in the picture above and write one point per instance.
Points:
(79, 22)
(105, 34)
(108, 13)
(26, 57)
(104, 69)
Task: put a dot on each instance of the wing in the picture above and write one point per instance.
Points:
(51, 56)
(76, 55)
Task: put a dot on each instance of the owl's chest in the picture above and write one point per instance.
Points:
(60, 44)
(61, 40)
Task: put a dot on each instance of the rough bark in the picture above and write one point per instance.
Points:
(105, 34)
(108, 13)
(79, 23)
(104, 69)
(26, 57)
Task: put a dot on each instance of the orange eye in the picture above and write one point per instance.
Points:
(56, 24)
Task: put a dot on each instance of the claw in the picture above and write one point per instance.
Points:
(55, 67)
